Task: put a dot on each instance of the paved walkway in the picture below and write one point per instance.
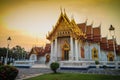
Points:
(42, 69)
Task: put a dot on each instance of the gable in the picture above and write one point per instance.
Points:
(65, 27)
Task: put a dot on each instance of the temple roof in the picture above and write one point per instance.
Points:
(71, 26)
(84, 31)
(40, 51)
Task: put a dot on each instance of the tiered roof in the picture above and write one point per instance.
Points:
(40, 51)
(94, 36)
(84, 32)
(71, 27)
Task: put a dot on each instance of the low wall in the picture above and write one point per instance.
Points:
(23, 64)
(88, 64)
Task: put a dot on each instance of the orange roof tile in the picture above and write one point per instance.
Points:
(96, 34)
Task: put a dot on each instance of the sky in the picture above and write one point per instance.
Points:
(28, 21)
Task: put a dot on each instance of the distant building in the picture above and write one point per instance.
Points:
(80, 42)
(40, 54)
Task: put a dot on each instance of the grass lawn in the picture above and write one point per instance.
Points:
(74, 76)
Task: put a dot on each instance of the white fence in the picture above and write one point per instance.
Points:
(23, 64)
(89, 64)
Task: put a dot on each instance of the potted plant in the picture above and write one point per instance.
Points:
(97, 63)
(54, 66)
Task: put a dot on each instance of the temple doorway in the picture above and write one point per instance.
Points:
(65, 51)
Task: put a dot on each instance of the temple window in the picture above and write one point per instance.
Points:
(94, 54)
(110, 56)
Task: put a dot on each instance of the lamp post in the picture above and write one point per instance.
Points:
(8, 43)
(112, 32)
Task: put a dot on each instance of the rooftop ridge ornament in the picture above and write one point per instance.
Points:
(92, 23)
(72, 17)
(64, 11)
(100, 25)
(86, 20)
(60, 8)
(111, 27)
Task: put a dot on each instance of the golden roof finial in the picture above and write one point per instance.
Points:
(64, 9)
(92, 23)
(100, 25)
(64, 12)
(61, 9)
(72, 17)
(86, 20)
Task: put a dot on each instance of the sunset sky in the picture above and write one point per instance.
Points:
(28, 21)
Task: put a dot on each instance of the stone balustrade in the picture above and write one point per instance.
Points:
(23, 64)
(89, 64)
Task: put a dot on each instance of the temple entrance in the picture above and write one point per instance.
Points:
(33, 57)
(47, 58)
(110, 57)
(94, 54)
(65, 51)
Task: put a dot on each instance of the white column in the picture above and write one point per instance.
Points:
(71, 49)
(90, 55)
(56, 49)
(76, 50)
(100, 55)
(79, 50)
(51, 54)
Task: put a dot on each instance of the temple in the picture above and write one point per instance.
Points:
(71, 41)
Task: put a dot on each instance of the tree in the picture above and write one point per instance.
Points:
(3, 52)
(19, 52)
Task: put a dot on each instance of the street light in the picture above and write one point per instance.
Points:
(112, 32)
(8, 43)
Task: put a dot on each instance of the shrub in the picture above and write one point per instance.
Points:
(54, 66)
(104, 66)
(8, 72)
(96, 62)
(0, 63)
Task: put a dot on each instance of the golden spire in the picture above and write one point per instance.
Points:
(64, 11)
(72, 17)
(100, 25)
(61, 10)
(92, 23)
(86, 21)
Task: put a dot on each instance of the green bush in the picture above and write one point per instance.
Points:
(54, 66)
(0, 63)
(97, 62)
(104, 66)
(8, 72)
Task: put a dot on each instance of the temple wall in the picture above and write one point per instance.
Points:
(118, 57)
(104, 55)
(87, 52)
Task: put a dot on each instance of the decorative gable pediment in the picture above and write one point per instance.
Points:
(65, 27)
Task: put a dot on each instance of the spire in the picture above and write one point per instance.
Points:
(100, 25)
(61, 10)
(86, 21)
(64, 11)
(107, 36)
(107, 41)
(72, 17)
(92, 23)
